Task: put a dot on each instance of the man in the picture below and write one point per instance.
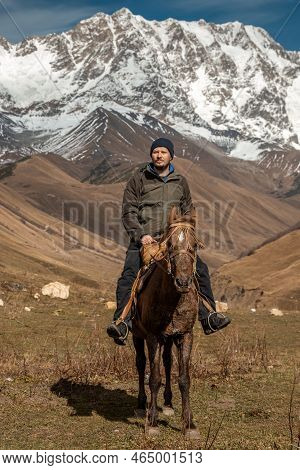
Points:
(148, 197)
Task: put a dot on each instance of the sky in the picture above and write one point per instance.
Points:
(23, 18)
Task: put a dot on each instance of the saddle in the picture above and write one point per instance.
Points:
(149, 254)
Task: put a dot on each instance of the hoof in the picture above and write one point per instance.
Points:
(140, 413)
(152, 431)
(192, 434)
(168, 411)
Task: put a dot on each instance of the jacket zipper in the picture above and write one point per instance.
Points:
(162, 204)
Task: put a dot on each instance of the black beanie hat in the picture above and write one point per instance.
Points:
(161, 142)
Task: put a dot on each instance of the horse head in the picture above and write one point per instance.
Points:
(182, 248)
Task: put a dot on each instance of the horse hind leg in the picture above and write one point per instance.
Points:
(168, 409)
(140, 362)
(184, 346)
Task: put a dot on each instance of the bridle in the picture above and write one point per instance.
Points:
(163, 254)
(185, 227)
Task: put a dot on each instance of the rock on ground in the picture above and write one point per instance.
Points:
(56, 289)
(111, 305)
(276, 312)
(221, 307)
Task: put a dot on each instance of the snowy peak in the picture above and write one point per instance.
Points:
(230, 83)
(4, 44)
(122, 13)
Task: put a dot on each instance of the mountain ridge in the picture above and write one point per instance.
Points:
(231, 84)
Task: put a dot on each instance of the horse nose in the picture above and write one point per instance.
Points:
(180, 282)
(183, 282)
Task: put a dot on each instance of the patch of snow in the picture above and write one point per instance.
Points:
(278, 61)
(63, 122)
(258, 81)
(238, 55)
(259, 39)
(292, 103)
(123, 138)
(130, 76)
(127, 112)
(159, 28)
(38, 80)
(190, 130)
(240, 97)
(246, 150)
(201, 31)
(203, 104)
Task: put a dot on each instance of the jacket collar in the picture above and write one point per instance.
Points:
(172, 172)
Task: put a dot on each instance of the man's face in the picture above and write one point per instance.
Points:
(161, 157)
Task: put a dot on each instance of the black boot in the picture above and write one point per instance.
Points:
(214, 322)
(118, 332)
(211, 321)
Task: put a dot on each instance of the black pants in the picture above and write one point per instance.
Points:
(132, 265)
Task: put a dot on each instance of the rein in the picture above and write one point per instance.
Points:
(162, 253)
(185, 226)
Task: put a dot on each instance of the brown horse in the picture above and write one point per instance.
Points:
(167, 309)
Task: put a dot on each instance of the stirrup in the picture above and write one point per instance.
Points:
(124, 337)
(221, 318)
(209, 324)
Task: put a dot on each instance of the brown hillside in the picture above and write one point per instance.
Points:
(254, 218)
(268, 278)
(34, 242)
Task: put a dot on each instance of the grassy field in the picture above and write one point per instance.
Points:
(64, 385)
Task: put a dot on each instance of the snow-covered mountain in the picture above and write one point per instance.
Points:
(230, 83)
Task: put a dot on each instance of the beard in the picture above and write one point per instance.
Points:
(161, 165)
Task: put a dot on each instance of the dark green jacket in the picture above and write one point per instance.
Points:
(148, 198)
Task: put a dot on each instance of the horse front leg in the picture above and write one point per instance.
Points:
(184, 346)
(140, 362)
(167, 360)
(154, 349)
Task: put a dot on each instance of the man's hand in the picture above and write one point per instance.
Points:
(147, 239)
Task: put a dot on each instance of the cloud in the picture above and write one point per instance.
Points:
(229, 5)
(254, 12)
(44, 18)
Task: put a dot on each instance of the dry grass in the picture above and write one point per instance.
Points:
(230, 357)
(71, 388)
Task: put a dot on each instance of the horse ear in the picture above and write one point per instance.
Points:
(173, 214)
(193, 215)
